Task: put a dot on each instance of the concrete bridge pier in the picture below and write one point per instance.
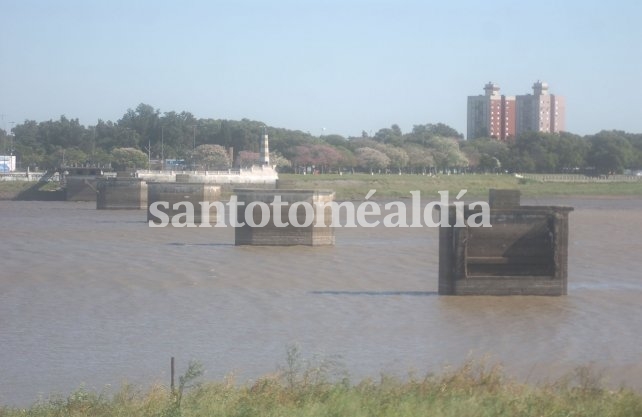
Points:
(304, 232)
(524, 252)
(173, 193)
(123, 192)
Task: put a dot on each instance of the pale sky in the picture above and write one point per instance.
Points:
(340, 65)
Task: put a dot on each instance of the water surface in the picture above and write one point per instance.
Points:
(97, 298)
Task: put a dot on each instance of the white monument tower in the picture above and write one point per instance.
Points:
(264, 149)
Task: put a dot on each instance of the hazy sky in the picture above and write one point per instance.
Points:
(343, 66)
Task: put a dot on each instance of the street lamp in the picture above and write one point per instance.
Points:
(11, 136)
(194, 137)
(162, 150)
(193, 146)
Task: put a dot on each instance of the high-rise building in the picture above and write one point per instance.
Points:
(540, 111)
(491, 115)
(502, 117)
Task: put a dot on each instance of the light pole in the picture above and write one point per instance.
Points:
(13, 162)
(193, 144)
(149, 154)
(11, 136)
(162, 150)
(93, 146)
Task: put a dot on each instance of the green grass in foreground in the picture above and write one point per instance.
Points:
(472, 390)
(356, 186)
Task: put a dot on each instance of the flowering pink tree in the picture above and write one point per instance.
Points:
(320, 156)
(248, 158)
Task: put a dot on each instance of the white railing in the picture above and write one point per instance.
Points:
(581, 178)
(167, 172)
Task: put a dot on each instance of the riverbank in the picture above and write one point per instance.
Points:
(471, 390)
(356, 186)
(31, 190)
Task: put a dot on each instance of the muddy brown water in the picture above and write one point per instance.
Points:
(97, 298)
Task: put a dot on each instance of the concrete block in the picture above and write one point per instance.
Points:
(524, 252)
(122, 192)
(503, 198)
(173, 193)
(271, 234)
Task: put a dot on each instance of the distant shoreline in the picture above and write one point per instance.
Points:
(356, 186)
(392, 186)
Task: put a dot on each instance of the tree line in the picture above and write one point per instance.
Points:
(144, 134)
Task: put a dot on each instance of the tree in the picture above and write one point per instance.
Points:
(439, 129)
(178, 130)
(318, 155)
(610, 152)
(420, 159)
(347, 159)
(390, 136)
(571, 151)
(371, 159)
(248, 158)
(536, 152)
(486, 154)
(145, 121)
(107, 135)
(279, 161)
(636, 143)
(64, 157)
(128, 158)
(212, 157)
(327, 157)
(334, 140)
(398, 156)
(286, 141)
(29, 149)
(446, 153)
(356, 143)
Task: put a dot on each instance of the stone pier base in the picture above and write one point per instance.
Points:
(173, 194)
(524, 252)
(121, 193)
(81, 188)
(270, 234)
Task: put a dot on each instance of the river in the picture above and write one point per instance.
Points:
(97, 299)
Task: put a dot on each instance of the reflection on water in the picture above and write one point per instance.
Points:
(96, 298)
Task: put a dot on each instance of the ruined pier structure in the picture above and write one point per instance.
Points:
(313, 234)
(172, 194)
(123, 192)
(81, 183)
(524, 252)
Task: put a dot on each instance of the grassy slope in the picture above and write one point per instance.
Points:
(10, 190)
(355, 187)
(471, 390)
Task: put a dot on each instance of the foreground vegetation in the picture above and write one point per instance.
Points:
(356, 186)
(472, 390)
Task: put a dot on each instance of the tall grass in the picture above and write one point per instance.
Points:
(306, 389)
